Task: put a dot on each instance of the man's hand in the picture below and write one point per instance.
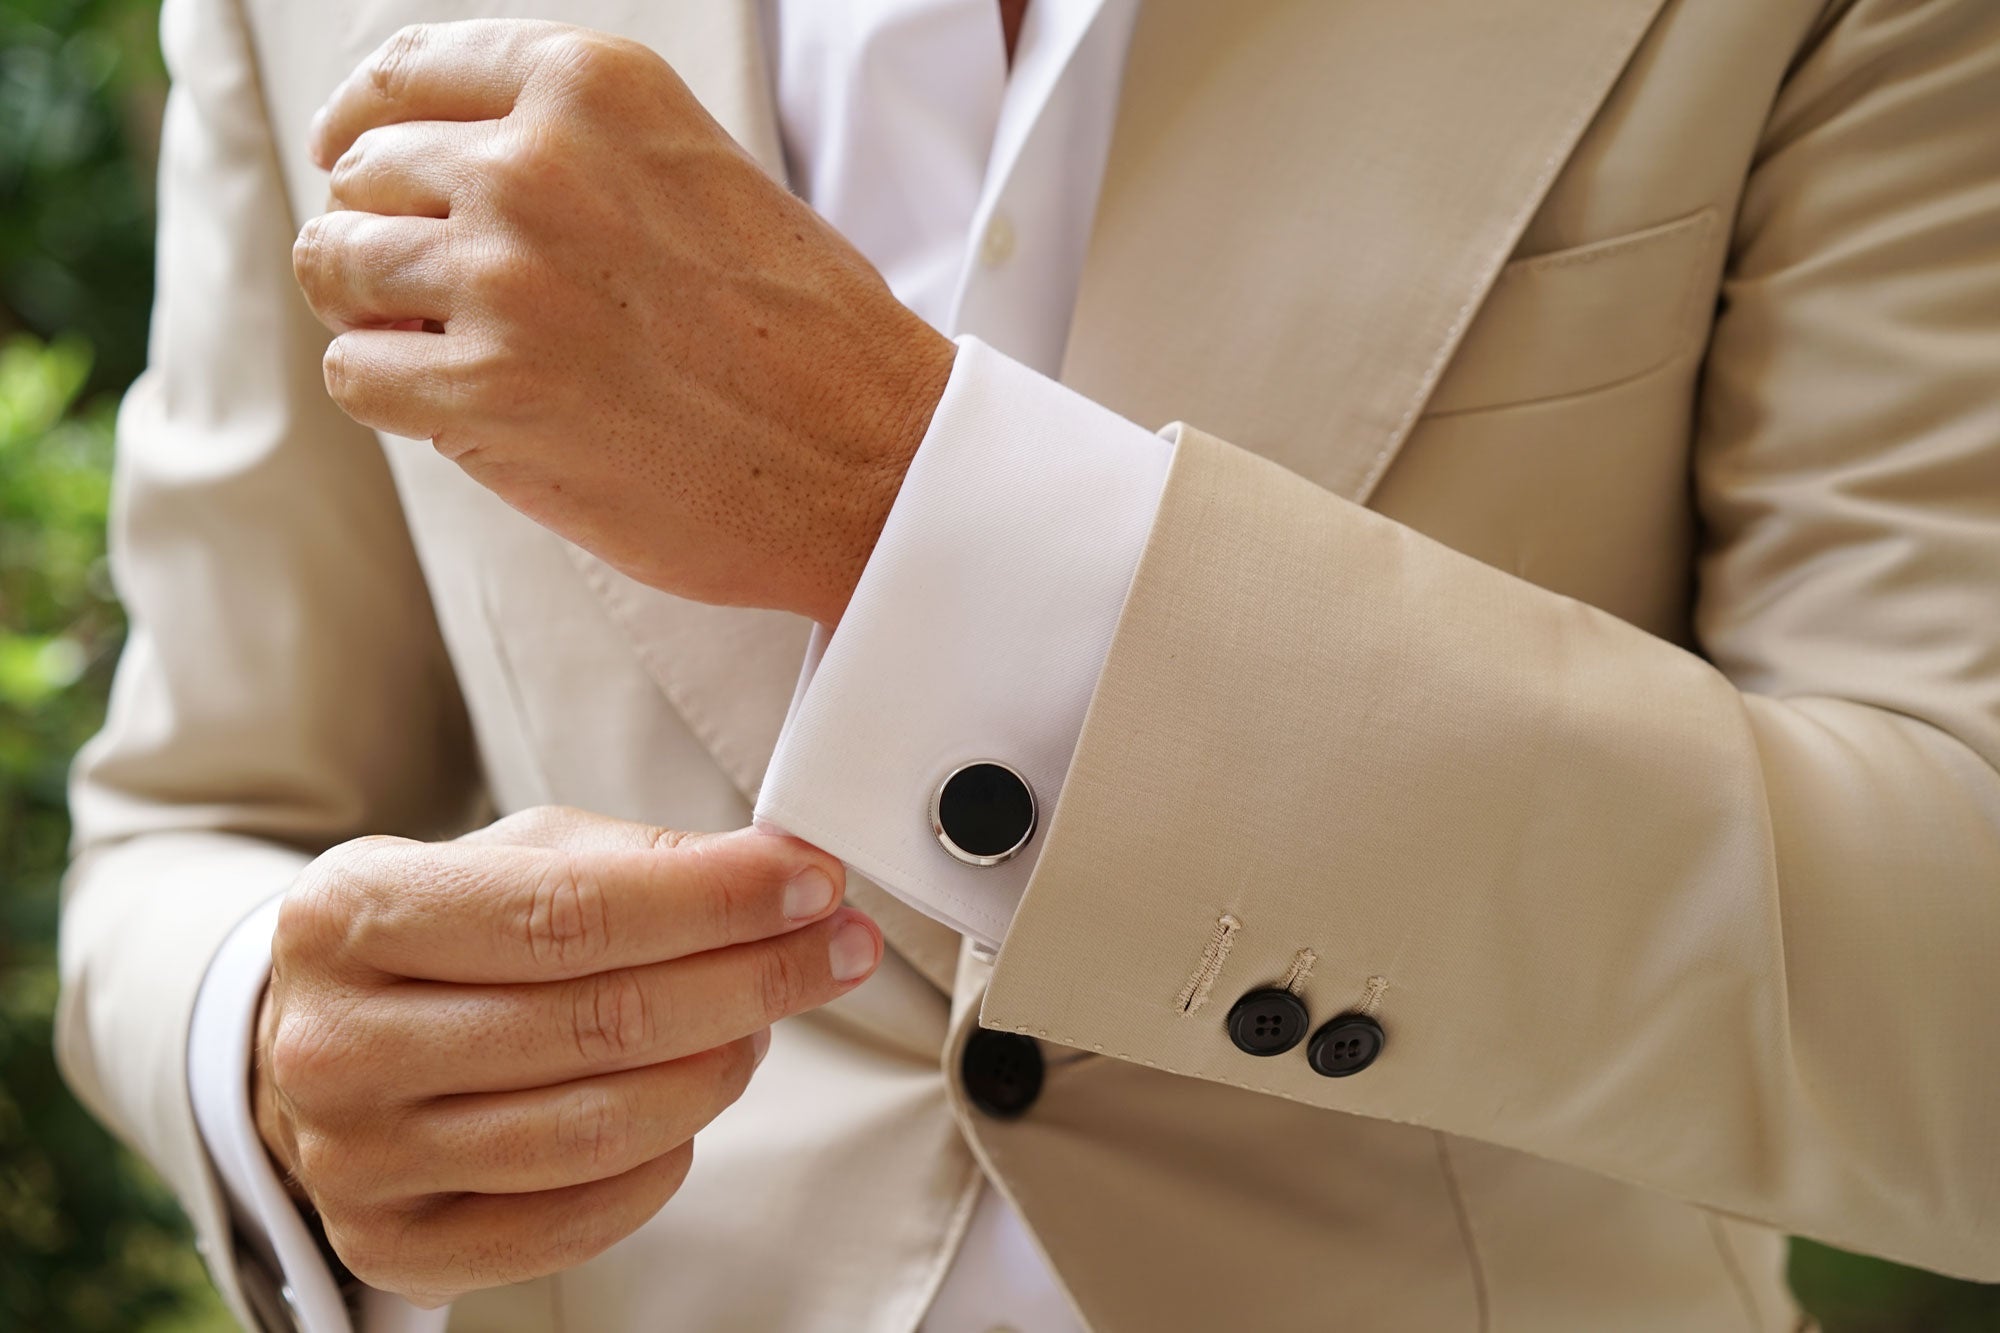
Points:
(646, 343)
(486, 1060)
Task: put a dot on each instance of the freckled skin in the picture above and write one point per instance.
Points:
(649, 345)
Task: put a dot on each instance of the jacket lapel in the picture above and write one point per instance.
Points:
(1306, 203)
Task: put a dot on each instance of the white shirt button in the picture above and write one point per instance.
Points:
(996, 247)
(1003, 1328)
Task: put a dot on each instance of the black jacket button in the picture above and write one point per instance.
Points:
(1002, 1072)
(983, 813)
(1346, 1045)
(1267, 1022)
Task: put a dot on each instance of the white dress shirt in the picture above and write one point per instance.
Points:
(982, 621)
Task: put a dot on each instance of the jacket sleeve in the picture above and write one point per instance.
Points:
(1722, 922)
(284, 686)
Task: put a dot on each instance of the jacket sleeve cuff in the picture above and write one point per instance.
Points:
(271, 1229)
(977, 632)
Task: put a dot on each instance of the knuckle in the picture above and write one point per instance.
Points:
(516, 160)
(367, 1247)
(782, 982)
(666, 839)
(588, 55)
(351, 167)
(389, 71)
(485, 388)
(318, 917)
(320, 258)
(741, 908)
(306, 1055)
(567, 921)
(574, 1238)
(537, 824)
(310, 919)
(680, 1161)
(613, 1019)
(736, 1062)
(320, 1162)
(357, 253)
(307, 249)
(488, 273)
(725, 900)
(397, 1249)
(362, 882)
(337, 368)
(595, 1126)
(460, 392)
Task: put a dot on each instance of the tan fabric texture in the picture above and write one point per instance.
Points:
(1573, 620)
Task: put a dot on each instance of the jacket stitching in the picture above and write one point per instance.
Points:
(1194, 994)
(1301, 969)
(1741, 1283)
(1474, 1265)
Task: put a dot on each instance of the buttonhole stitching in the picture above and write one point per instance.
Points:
(1371, 999)
(1295, 976)
(1220, 941)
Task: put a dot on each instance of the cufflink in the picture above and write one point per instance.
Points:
(983, 813)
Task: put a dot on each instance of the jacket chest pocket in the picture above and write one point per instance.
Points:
(1572, 321)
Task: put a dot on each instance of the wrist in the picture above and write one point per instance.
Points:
(891, 435)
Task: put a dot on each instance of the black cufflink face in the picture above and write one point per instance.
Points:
(1267, 1022)
(983, 813)
(1345, 1045)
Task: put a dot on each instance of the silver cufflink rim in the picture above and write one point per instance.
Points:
(960, 854)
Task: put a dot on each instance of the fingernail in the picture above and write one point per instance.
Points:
(760, 1046)
(852, 952)
(809, 893)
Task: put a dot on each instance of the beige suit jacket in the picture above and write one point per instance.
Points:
(1575, 605)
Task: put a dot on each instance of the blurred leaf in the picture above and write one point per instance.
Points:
(80, 85)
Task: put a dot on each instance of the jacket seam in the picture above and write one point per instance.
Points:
(1475, 1266)
(1738, 1281)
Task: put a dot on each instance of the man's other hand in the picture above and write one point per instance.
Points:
(486, 1060)
(549, 260)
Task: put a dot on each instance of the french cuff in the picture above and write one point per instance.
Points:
(277, 1247)
(975, 636)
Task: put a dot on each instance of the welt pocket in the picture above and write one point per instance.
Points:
(1569, 321)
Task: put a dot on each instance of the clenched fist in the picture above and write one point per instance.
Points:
(547, 258)
(486, 1060)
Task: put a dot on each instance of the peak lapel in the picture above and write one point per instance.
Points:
(1314, 198)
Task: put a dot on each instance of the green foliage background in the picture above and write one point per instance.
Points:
(89, 1241)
